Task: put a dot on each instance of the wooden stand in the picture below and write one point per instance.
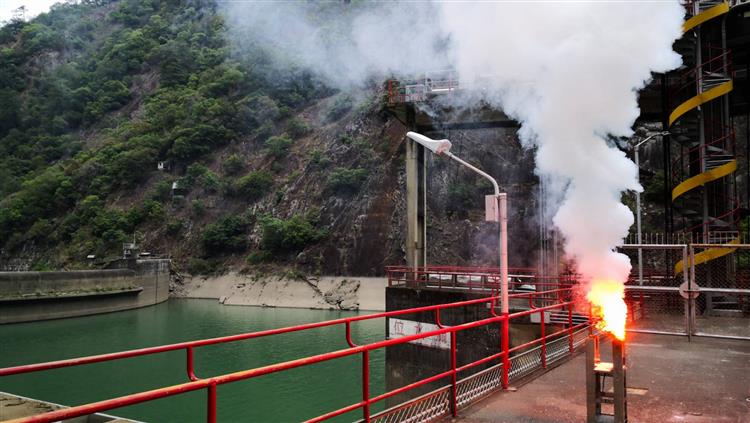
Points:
(597, 375)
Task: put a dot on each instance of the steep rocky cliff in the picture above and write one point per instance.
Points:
(128, 121)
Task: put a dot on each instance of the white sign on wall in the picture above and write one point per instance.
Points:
(399, 328)
(535, 318)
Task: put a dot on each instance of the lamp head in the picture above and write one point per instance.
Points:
(436, 146)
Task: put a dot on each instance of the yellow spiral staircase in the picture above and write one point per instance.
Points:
(709, 145)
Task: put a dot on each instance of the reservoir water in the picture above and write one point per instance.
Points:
(292, 395)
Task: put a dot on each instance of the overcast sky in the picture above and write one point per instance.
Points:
(33, 7)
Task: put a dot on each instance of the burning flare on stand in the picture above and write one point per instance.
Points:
(608, 305)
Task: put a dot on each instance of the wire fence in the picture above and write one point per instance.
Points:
(690, 288)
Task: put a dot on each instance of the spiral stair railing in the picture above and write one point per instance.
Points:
(708, 149)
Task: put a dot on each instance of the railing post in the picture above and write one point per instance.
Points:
(211, 407)
(505, 347)
(454, 388)
(190, 370)
(640, 305)
(544, 340)
(570, 329)
(366, 385)
(348, 327)
(437, 319)
(691, 283)
(688, 302)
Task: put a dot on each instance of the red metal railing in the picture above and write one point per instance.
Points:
(693, 157)
(562, 301)
(689, 80)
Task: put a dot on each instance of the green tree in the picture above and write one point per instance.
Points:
(254, 185)
(233, 165)
(226, 235)
(346, 181)
(297, 127)
(278, 146)
(291, 235)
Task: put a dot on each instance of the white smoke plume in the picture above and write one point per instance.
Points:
(345, 44)
(568, 71)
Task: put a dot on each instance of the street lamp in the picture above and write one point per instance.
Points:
(636, 148)
(496, 206)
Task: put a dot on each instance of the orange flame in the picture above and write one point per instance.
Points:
(607, 301)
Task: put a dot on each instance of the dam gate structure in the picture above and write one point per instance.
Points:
(33, 296)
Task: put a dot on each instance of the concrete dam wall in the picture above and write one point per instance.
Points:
(32, 296)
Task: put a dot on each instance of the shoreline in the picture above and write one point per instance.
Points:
(318, 293)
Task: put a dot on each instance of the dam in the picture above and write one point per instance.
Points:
(32, 296)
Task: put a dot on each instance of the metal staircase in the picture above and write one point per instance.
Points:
(703, 174)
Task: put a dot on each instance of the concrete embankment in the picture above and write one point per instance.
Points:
(17, 407)
(32, 296)
(325, 292)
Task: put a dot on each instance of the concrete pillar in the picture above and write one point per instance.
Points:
(416, 224)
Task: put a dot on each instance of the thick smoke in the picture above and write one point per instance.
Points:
(346, 45)
(568, 71)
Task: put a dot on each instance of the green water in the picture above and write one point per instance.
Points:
(292, 395)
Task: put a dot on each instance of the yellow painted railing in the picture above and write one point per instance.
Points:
(703, 178)
(707, 255)
(704, 16)
(718, 172)
(697, 100)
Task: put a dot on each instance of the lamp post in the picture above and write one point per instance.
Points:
(636, 148)
(499, 208)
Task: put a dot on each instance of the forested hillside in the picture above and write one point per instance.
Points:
(263, 165)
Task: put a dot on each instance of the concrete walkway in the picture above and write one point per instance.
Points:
(669, 380)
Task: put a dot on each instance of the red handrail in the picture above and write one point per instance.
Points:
(211, 383)
(679, 166)
(732, 212)
(720, 62)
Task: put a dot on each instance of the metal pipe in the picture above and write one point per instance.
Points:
(688, 301)
(211, 406)
(442, 147)
(349, 335)
(366, 386)
(492, 180)
(504, 347)
(544, 341)
(570, 329)
(711, 335)
(503, 219)
(190, 370)
(653, 246)
(454, 384)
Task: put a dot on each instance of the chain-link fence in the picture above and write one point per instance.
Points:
(690, 286)
(721, 272)
(653, 290)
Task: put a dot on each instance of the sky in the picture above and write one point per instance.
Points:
(33, 7)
